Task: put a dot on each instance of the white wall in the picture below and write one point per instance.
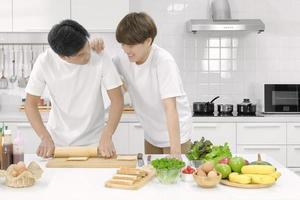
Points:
(270, 57)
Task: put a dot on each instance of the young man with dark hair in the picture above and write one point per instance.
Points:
(74, 76)
(154, 85)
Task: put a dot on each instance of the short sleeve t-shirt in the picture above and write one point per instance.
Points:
(77, 113)
(148, 84)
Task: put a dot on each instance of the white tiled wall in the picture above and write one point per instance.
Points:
(207, 68)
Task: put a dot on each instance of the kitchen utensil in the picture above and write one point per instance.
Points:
(3, 79)
(246, 108)
(204, 108)
(65, 152)
(140, 160)
(22, 82)
(239, 185)
(148, 159)
(225, 108)
(31, 64)
(92, 162)
(13, 77)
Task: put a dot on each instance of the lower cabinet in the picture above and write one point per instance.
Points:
(120, 138)
(296, 170)
(277, 152)
(217, 133)
(136, 138)
(293, 155)
(31, 140)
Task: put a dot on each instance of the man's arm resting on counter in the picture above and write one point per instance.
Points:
(106, 147)
(173, 125)
(46, 147)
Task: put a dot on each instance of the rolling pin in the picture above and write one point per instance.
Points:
(65, 152)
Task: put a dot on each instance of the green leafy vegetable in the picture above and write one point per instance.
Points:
(218, 153)
(167, 163)
(199, 149)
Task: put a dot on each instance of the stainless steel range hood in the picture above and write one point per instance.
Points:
(221, 21)
(195, 25)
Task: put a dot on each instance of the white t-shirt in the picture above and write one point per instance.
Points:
(148, 84)
(77, 114)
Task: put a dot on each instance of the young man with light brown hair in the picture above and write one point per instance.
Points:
(154, 85)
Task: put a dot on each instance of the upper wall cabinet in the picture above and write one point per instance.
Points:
(99, 15)
(38, 15)
(6, 15)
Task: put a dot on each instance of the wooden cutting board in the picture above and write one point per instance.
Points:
(135, 186)
(249, 186)
(90, 163)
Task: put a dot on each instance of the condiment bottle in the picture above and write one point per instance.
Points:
(7, 152)
(18, 149)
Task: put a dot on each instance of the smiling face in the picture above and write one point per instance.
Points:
(138, 53)
(80, 58)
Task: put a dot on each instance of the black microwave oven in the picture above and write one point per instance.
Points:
(282, 98)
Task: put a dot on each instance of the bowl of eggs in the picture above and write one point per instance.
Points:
(19, 175)
(206, 176)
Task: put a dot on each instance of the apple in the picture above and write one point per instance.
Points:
(224, 161)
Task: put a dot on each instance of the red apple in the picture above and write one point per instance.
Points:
(224, 161)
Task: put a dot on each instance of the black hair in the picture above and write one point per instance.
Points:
(67, 38)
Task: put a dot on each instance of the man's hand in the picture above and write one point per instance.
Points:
(46, 148)
(97, 44)
(106, 146)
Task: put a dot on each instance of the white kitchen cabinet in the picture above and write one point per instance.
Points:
(99, 15)
(120, 138)
(296, 170)
(31, 140)
(136, 138)
(293, 133)
(5, 16)
(278, 152)
(217, 133)
(261, 133)
(293, 155)
(39, 15)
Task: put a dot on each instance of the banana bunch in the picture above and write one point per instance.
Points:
(256, 174)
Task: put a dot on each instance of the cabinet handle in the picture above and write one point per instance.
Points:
(261, 148)
(35, 30)
(27, 125)
(138, 125)
(296, 126)
(104, 30)
(297, 148)
(262, 126)
(205, 126)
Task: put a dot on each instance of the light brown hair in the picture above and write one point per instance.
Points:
(135, 28)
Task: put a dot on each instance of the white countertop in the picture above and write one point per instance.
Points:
(86, 183)
(131, 117)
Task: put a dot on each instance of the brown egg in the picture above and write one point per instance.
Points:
(200, 172)
(207, 167)
(212, 174)
(14, 173)
(20, 167)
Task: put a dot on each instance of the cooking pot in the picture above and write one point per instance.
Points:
(225, 108)
(246, 108)
(204, 108)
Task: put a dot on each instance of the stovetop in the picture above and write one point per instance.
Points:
(234, 114)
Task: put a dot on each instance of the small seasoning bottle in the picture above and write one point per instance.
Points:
(7, 152)
(1, 137)
(18, 149)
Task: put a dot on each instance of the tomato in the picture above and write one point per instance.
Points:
(188, 170)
